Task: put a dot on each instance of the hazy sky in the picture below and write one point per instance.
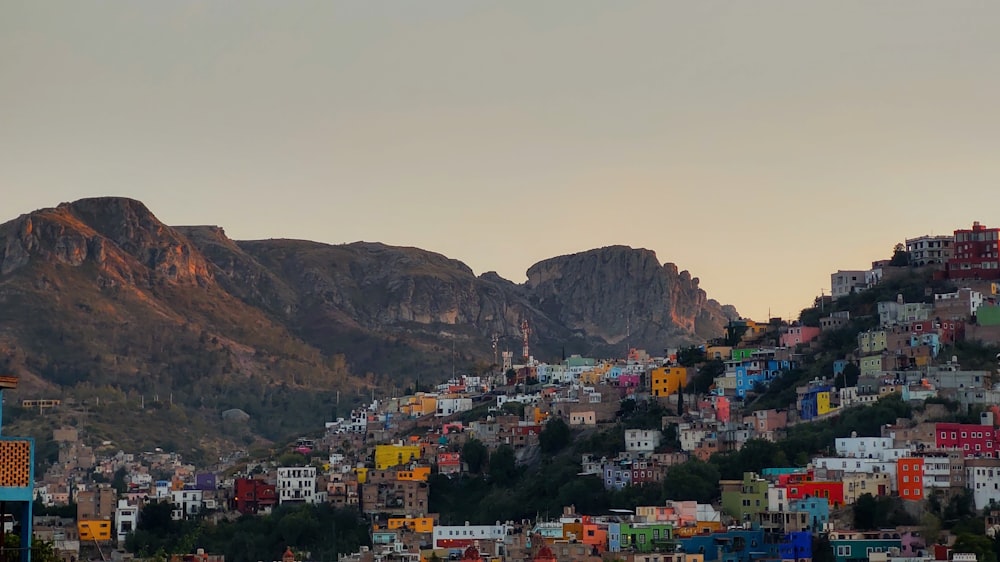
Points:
(760, 145)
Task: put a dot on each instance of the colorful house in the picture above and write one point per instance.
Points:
(818, 510)
(909, 478)
(855, 546)
(647, 537)
(666, 381)
(734, 545)
(744, 499)
(387, 456)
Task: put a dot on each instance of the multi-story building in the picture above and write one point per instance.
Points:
(817, 509)
(845, 282)
(296, 484)
(857, 484)
(862, 447)
(959, 305)
(464, 536)
(856, 546)
(796, 335)
(97, 503)
(186, 503)
(982, 478)
(974, 439)
(910, 478)
(642, 440)
(930, 250)
(252, 495)
(665, 381)
(766, 422)
(975, 253)
(126, 520)
(387, 456)
(744, 499)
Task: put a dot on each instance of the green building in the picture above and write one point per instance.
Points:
(648, 537)
(744, 499)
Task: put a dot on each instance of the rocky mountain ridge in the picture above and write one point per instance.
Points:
(100, 292)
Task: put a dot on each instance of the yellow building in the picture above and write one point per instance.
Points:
(722, 352)
(415, 524)
(873, 341)
(94, 530)
(420, 405)
(823, 403)
(388, 456)
(668, 380)
(417, 474)
(362, 473)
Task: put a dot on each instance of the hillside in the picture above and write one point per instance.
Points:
(100, 298)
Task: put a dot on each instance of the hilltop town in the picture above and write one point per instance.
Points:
(864, 430)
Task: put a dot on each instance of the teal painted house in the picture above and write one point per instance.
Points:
(855, 546)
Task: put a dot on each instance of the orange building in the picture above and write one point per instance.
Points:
(909, 478)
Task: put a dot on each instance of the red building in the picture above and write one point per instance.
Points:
(948, 331)
(975, 440)
(252, 495)
(910, 478)
(975, 254)
(449, 463)
(801, 485)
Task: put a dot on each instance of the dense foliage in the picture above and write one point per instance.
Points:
(319, 529)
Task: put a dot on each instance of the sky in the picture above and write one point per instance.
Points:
(759, 145)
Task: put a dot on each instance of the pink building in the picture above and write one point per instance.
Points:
(765, 421)
(973, 439)
(628, 381)
(799, 334)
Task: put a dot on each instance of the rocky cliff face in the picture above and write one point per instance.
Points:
(377, 305)
(619, 293)
(100, 293)
(119, 236)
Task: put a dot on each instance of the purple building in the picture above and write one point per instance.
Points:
(205, 482)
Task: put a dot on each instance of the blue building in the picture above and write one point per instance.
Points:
(809, 401)
(818, 510)
(614, 537)
(737, 545)
(796, 546)
(753, 372)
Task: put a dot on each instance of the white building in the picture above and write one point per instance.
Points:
(448, 405)
(982, 478)
(296, 484)
(642, 440)
(777, 498)
(447, 536)
(845, 282)
(862, 447)
(930, 250)
(826, 465)
(186, 503)
(126, 520)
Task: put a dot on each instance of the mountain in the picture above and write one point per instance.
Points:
(101, 300)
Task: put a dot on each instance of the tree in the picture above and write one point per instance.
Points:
(980, 545)
(474, 454)
(692, 480)
(555, 436)
(41, 550)
(900, 257)
(864, 512)
(691, 356)
(502, 467)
